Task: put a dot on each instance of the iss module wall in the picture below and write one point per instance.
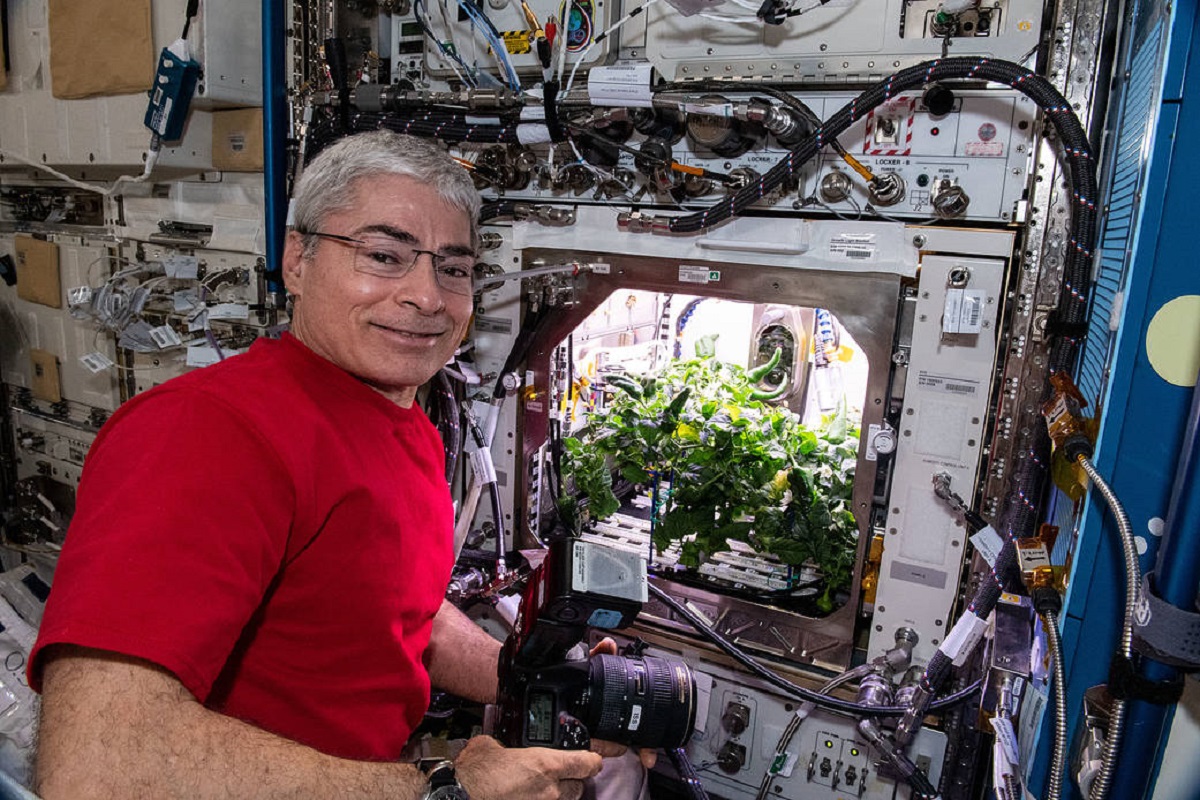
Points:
(776, 301)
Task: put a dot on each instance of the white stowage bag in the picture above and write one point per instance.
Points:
(18, 703)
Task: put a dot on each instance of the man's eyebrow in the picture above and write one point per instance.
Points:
(401, 235)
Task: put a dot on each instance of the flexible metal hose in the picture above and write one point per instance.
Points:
(1133, 579)
(1059, 754)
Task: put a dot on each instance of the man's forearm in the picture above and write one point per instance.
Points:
(114, 727)
(462, 658)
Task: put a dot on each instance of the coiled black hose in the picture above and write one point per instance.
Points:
(1072, 311)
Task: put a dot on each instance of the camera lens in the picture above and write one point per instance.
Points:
(641, 702)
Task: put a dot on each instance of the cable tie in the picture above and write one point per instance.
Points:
(1124, 683)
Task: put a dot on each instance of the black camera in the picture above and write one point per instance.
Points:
(546, 701)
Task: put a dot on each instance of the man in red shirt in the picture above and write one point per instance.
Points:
(250, 599)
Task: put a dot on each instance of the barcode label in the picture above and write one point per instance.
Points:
(165, 336)
(96, 362)
(493, 324)
(694, 274)
(963, 311)
(853, 247)
(947, 384)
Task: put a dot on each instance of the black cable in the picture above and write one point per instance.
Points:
(4, 34)
(558, 132)
(519, 351)
(448, 422)
(339, 72)
(1072, 311)
(496, 210)
(193, 7)
(824, 701)
(430, 125)
(493, 490)
(688, 776)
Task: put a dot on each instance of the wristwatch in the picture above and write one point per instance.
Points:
(443, 785)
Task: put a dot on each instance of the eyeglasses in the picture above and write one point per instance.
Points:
(388, 257)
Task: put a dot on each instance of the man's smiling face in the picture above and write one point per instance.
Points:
(392, 333)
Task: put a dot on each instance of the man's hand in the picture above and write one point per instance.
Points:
(489, 771)
(648, 757)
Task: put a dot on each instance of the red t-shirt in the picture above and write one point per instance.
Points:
(276, 534)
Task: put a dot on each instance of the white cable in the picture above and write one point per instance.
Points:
(563, 36)
(596, 39)
(151, 160)
(481, 26)
(733, 20)
(450, 59)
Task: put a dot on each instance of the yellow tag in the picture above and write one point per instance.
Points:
(517, 42)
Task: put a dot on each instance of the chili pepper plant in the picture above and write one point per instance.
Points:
(732, 466)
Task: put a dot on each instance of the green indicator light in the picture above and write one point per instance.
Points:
(922, 180)
(853, 751)
(828, 743)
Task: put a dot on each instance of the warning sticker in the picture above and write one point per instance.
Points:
(517, 42)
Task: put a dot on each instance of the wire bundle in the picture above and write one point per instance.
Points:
(1072, 312)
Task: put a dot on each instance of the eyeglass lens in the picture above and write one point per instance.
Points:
(386, 257)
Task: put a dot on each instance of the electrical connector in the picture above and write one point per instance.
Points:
(773, 12)
(1069, 429)
(1046, 599)
(1034, 560)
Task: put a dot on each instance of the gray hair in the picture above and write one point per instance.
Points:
(328, 184)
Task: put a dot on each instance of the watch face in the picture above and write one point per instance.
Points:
(447, 793)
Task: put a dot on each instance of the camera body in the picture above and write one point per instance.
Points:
(546, 701)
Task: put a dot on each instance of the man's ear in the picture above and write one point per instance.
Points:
(294, 263)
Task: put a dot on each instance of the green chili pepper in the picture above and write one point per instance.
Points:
(625, 384)
(677, 403)
(770, 394)
(762, 370)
